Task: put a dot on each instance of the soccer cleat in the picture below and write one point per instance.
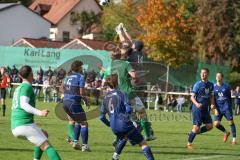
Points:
(115, 156)
(234, 142)
(85, 148)
(225, 137)
(150, 138)
(189, 146)
(69, 140)
(76, 145)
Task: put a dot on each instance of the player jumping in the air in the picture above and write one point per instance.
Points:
(202, 98)
(125, 73)
(23, 111)
(73, 93)
(132, 52)
(222, 97)
(116, 105)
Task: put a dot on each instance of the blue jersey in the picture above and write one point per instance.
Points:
(72, 85)
(222, 97)
(203, 92)
(115, 104)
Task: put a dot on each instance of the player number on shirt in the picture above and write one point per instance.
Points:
(68, 84)
(15, 99)
(110, 106)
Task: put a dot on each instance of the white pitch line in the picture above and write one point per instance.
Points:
(206, 157)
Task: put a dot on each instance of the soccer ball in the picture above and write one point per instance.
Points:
(104, 2)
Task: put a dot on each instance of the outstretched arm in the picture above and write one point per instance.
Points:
(24, 102)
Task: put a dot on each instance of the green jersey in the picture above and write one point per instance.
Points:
(20, 116)
(122, 68)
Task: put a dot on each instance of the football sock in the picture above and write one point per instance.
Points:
(37, 152)
(203, 129)
(148, 153)
(221, 128)
(52, 153)
(146, 127)
(77, 130)
(233, 129)
(121, 144)
(4, 109)
(70, 129)
(84, 135)
(191, 137)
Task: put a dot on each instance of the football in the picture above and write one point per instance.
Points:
(104, 2)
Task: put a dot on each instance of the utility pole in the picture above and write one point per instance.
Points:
(166, 87)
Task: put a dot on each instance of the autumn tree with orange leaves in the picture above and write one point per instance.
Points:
(168, 31)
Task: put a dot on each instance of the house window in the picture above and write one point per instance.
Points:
(66, 36)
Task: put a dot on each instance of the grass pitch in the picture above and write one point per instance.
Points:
(170, 128)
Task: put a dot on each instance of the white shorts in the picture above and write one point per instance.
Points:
(137, 104)
(30, 132)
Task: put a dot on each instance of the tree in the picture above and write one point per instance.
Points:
(168, 30)
(218, 36)
(86, 21)
(116, 13)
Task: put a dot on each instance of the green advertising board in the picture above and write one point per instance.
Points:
(56, 58)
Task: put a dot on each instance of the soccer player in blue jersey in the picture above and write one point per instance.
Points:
(73, 93)
(202, 98)
(222, 97)
(116, 105)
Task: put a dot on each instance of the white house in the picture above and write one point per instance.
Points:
(59, 12)
(17, 21)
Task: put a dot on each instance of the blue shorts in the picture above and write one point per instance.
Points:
(200, 116)
(74, 110)
(134, 136)
(227, 114)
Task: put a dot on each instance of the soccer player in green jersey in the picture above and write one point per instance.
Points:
(125, 73)
(22, 120)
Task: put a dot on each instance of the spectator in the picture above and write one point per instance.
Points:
(158, 96)
(88, 87)
(49, 72)
(40, 73)
(37, 89)
(15, 74)
(9, 85)
(180, 102)
(54, 88)
(172, 102)
(8, 70)
(46, 89)
(237, 100)
(61, 73)
(96, 90)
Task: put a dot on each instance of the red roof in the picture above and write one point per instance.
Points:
(44, 43)
(98, 44)
(58, 8)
